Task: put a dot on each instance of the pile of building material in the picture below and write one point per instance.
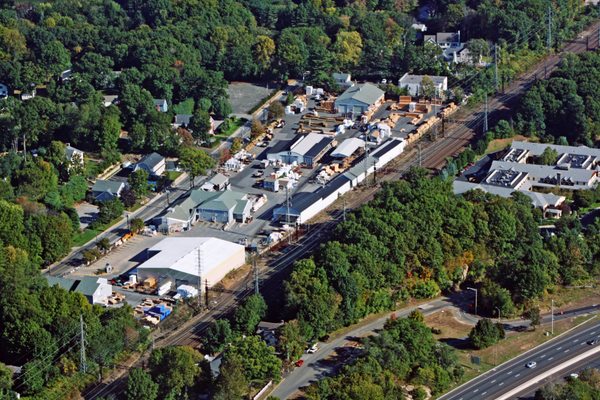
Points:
(449, 110)
(186, 292)
(421, 130)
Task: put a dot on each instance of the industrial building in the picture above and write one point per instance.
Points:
(185, 261)
(348, 147)
(305, 149)
(96, 290)
(358, 99)
(414, 84)
(576, 168)
(305, 205)
(223, 207)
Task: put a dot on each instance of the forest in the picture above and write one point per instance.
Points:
(416, 239)
(564, 109)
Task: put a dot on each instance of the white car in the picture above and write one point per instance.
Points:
(313, 349)
(531, 364)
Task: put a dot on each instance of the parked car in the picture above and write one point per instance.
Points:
(313, 349)
(299, 363)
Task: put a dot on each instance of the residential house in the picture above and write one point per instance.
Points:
(107, 190)
(342, 80)
(73, 154)
(268, 331)
(183, 120)
(110, 99)
(219, 182)
(161, 105)
(26, 94)
(96, 290)
(3, 91)
(414, 84)
(66, 75)
(153, 163)
(450, 44)
(359, 98)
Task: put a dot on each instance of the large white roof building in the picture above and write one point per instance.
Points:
(176, 259)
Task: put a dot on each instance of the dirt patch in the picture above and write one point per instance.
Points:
(448, 324)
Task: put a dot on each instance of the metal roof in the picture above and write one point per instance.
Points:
(88, 285)
(348, 147)
(311, 144)
(151, 160)
(416, 79)
(537, 149)
(365, 93)
(112, 187)
(181, 254)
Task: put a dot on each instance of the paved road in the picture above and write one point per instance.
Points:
(514, 372)
(314, 367)
(558, 378)
(156, 206)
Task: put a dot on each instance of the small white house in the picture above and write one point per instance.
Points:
(161, 105)
(414, 84)
(342, 80)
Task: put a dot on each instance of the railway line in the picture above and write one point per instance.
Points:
(433, 156)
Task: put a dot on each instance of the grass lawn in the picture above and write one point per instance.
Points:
(81, 238)
(453, 331)
(500, 144)
(185, 107)
(172, 175)
(233, 126)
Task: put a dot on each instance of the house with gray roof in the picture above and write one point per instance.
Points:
(73, 154)
(414, 84)
(222, 207)
(182, 120)
(161, 105)
(341, 79)
(153, 163)
(107, 190)
(96, 290)
(359, 98)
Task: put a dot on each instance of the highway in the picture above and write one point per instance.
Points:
(513, 373)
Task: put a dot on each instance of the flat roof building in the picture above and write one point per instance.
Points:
(176, 260)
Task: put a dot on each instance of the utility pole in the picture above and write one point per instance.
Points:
(374, 173)
(287, 211)
(552, 313)
(199, 276)
(475, 290)
(366, 159)
(82, 360)
(255, 267)
(549, 28)
(496, 347)
(496, 66)
(485, 119)
(206, 292)
(344, 209)
(419, 148)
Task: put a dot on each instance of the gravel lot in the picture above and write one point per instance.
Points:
(244, 95)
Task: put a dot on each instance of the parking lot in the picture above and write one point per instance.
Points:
(87, 213)
(245, 95)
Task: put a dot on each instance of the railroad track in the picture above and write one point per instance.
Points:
(433, 156)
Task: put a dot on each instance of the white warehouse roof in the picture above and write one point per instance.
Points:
(348, 147)
(180, 256)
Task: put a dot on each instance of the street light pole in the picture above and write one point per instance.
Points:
(552, 313)
(496, 347)
(475, 290)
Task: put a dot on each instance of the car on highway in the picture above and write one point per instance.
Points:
(299, 363)
(313, 349)
(592, 342)
(531, 364)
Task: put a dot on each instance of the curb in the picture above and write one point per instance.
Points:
(520, 355)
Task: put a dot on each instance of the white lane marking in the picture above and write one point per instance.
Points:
(476, 390)
(551, 358)
(576, 340)
(559, 348)
(501, 383)
(494, 381)
(593, 333)
(509, 372)
(517, 375)
(483, 394)
(566, 351)
(542, 356)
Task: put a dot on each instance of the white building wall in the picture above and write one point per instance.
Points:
(102, 292)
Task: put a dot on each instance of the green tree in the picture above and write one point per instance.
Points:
(232, 382)
(140, 386)
(427, 88)
(533, 314)
(248, 316)
(6, 381)
(195, 162)
(256, 128)
(110, 210)
(138, 181)
(291, 343)
(258, 360)
(200, 125)
(174, 369)
(137, 225)
(548, 157)
(348, 49)
(54, 57)
(217, 336)
(478, 48)
(276, 110)
(236, 145)
(486, 333)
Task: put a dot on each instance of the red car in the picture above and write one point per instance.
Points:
(299, 363)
